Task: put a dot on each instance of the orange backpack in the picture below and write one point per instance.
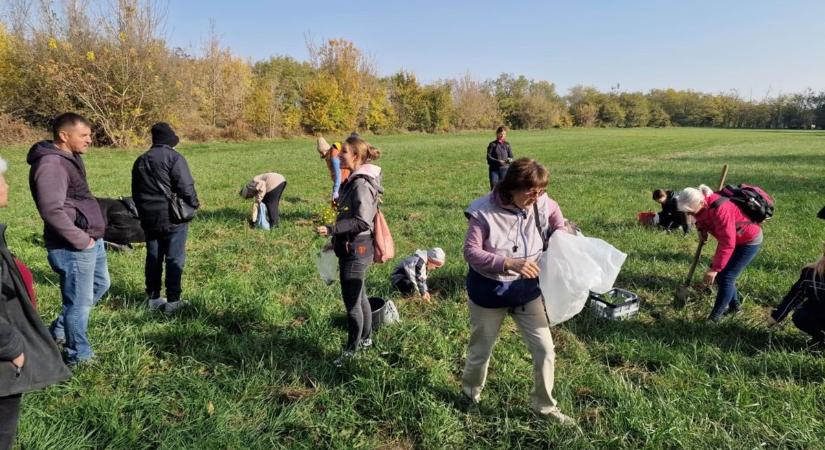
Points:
(383, 245)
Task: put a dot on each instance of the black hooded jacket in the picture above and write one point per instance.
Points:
(21, 331)
(670, 217)
(161, 164)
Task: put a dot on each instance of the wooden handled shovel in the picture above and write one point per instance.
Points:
(683, 292)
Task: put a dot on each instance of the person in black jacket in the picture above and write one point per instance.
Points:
(499, 157)
(807, 298)
(162, 169)
(29, 357)
(670, 217)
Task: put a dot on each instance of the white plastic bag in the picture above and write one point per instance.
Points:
(573, 266)
(327, 264)
(391, 313)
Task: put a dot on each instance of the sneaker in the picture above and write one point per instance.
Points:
(468, 405)
(347, 355)
(366, 343)
(560, 418)
(156, 303)
(171, 307)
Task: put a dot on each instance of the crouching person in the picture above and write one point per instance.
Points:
(267, 188)
(156, 175)
(410, 275)
(807, 299)
(506, 234)
(670, 217)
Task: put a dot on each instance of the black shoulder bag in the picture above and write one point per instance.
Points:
(179, 210)
(545, 237)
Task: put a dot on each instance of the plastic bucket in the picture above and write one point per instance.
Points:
(377, 304)
(646, 218)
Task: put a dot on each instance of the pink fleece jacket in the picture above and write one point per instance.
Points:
(729, 225)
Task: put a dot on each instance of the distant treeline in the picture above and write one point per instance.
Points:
(115, 68)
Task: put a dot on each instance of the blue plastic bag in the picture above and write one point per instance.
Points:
(263, 218)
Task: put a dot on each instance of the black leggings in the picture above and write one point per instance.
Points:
(272, 200)
(9, 415)
(353, 271)
(810, 318)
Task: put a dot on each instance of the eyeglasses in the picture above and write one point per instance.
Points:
(534, 192)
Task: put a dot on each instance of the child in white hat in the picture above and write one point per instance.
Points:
(410, 274)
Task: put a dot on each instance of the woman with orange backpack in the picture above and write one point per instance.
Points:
(352, 237)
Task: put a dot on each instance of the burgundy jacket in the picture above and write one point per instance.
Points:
(70, 212)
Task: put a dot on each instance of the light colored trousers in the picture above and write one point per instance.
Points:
(532, 322)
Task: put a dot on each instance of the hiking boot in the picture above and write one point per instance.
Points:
(366, 343)
(559, 417)
(347, 355)
(171, 307)
(156, 303)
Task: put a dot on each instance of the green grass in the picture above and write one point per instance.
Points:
(249, 365)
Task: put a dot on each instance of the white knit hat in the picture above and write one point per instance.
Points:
(436, 256)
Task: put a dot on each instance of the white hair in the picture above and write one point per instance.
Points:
(690, 199)
(4, 166)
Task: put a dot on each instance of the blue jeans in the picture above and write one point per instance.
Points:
(84, 278)
(170, 248)
(496, 175)
(727, 297)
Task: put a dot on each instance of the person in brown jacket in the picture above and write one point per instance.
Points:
(267, 188)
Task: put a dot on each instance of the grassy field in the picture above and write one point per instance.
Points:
(249, 364)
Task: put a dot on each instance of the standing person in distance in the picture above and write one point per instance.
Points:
(159, 170)
(73, 229)
(499, 156)
(352, 238)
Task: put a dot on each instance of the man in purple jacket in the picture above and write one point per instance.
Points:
(73, 228)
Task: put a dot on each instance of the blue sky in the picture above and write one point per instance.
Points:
(755, 47)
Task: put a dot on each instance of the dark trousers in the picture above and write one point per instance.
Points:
(405, 286)
(496, 175)
(9, 415)
(727, 296)
(272, 200)
(353, 271)
(171, 249)
(810, 318)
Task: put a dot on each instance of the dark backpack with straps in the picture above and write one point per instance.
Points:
(753, 201)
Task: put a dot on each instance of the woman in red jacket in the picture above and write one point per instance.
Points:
(738, 238)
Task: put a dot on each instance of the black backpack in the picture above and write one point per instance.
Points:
(753, 201)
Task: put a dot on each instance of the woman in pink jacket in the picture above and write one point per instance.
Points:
(738, 238)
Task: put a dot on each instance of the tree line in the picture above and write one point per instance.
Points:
(115, 67)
